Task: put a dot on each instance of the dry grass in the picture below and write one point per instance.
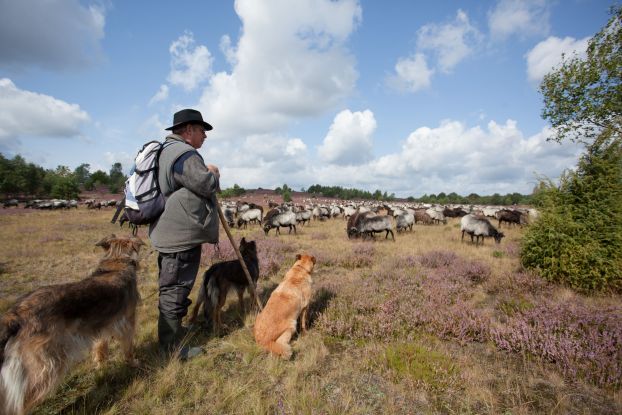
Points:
(395, 328)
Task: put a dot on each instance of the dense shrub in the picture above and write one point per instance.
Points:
(578, 239)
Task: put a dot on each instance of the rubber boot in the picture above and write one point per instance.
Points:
(169, 334)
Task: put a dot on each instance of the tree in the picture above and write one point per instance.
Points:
(82, 173)
(117, 178)
(578, 239)
(583, 97)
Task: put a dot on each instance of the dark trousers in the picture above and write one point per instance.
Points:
(177, 273)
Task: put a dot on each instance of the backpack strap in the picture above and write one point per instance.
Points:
(120, 207)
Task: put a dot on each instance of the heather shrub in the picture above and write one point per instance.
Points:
(362, 255)
(435, 259)
(474, 271)
(580, 340)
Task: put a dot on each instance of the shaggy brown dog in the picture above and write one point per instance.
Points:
(50, 329)
(219, 278)
(276, 324)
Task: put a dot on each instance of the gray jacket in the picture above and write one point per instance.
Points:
(190, 217)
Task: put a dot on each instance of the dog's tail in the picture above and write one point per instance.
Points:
(200, 299)
(9, 327)
(212, 294)
(205, 296)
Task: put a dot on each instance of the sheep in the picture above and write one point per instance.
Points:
(457, 212)
(479, 226)
(367, 226)
(403, 221)
(276, 218)
(511, 216)
(349, 211)
(436, 215)
(303, 216)
(249, 215)
(353, 221)
(422, 216)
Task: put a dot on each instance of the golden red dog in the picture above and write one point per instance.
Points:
(50, 329)
(277, 322)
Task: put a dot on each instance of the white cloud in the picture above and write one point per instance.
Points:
(159, 96)
(412, 74)
(25, 113)
(547, 54)
(190, 65)
(450, 42)
(289, 62)
(453, 157)
(521, 17)
(122, 157)
(53, 34)
(349, 139)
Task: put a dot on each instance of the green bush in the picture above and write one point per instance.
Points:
(578, 239)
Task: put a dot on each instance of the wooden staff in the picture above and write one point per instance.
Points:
(251, 284)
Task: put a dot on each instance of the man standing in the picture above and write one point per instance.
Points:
(190, 218)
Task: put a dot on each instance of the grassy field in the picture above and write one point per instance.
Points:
(423, 325)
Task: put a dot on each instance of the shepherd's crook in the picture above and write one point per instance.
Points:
(251, 284)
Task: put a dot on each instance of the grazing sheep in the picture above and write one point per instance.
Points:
(229, 214)
(353, 221)
(436, 215)
(479, 226)
(276, 218)
(303, 216)
(404, 221)
(248, 216)
(369, 225)
(454, 212)
(422, 216)
(511, 217)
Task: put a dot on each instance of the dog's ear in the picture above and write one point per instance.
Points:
(105, 243)
(243, 241)
(313, 260)
(136, 243)
(298, 256)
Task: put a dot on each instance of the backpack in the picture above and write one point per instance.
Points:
(143, 202)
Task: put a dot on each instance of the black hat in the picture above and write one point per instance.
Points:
(189, 116)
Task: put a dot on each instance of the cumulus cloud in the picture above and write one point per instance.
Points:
(547, 54)
(349, 138)
(190, 65)
(411, 74)
(453, 157)
(293, 64)
(519, 17)
(159, 96)
(451, 42)
(25, 113)
(54, 34)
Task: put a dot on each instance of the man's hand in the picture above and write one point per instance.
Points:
(216, 173)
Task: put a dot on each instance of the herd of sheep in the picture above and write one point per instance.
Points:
(366, 219)
(363, 219)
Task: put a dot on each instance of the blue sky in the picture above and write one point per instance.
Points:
(409, 97)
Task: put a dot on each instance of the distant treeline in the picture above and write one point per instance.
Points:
(19, 178)
(441, 198)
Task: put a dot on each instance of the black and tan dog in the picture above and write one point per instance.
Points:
(219, 278)
(50, 329)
